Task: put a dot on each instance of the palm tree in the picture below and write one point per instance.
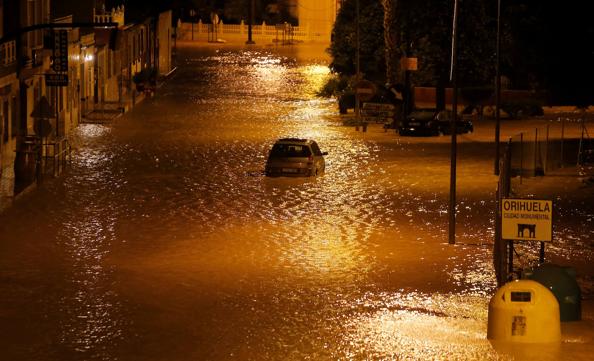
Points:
(391, 41)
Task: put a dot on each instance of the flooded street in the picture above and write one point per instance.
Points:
(164, 241)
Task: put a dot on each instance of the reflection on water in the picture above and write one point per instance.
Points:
(404, 326)
(165, 242)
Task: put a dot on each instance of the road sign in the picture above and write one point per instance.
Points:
(410, 64)
(527, 220)
(52, 79)
(378, 106)
(43, 109)
(365, 90)
(60, 51)
(377, 112)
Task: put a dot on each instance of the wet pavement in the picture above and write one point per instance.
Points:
(164, 241)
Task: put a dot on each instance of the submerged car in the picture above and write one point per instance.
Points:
(431, 122)
(443, 119)
(419, 122)
(294, 157)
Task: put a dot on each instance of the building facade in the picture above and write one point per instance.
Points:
(9, 117)
(318, 16)
(44, 96)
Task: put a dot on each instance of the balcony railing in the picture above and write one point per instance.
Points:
(8, 53)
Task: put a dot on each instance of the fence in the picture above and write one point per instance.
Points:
(282, 33)
(550, 147)
(57, 153)
(36, 158)
(538, 152)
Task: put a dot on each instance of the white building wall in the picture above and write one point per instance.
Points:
(164, 31)
(318, 16)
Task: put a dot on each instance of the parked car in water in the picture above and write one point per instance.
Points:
(419, 122)
(428, 121)
(444, 117)
(295, 157)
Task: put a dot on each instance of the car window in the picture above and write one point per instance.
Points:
(289, 151)
(316, 150)
(444, 115)
(421, 114)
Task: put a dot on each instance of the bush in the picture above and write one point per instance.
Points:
(334, 86)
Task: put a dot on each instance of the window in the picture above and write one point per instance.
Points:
(289, 150)
(316, 150)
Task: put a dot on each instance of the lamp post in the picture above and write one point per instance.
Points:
(358, 66)
(453, 147)
(251, 22)
(497, 87)
(192, 16)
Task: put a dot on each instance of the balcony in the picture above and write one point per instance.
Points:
(7, 58)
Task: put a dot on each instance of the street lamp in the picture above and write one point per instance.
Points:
(358, 67)
(453, 146)
(497, 87)
(192, 17)
(251, 22)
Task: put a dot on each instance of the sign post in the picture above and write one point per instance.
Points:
(54, 79)
(377, 112)
(60, 51)
(527, 220)
(365, 90)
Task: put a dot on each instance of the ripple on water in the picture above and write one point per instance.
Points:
(165, 225)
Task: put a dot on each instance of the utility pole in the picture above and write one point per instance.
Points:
(453, 147)
(193, 18)
(251, 22)
(497, 88)
(358, 67)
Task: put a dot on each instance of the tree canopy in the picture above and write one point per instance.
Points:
(344, 44)
(545, 45)
(424, 31)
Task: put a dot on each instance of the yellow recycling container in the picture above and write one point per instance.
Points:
(524, 311)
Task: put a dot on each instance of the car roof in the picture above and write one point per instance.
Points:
(294, 141)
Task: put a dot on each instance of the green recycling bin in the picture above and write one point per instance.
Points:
(561, 281)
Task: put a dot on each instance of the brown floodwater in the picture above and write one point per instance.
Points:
(164, 241)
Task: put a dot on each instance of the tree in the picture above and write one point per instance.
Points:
(344, 44)
(391, 41)
(416, 29)
(428, 37)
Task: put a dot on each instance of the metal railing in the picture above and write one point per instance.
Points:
(287, 33)
(550, 147)
(57, 154)
(542, 151)
(203, 31)
(8, 53)
(39, 157)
